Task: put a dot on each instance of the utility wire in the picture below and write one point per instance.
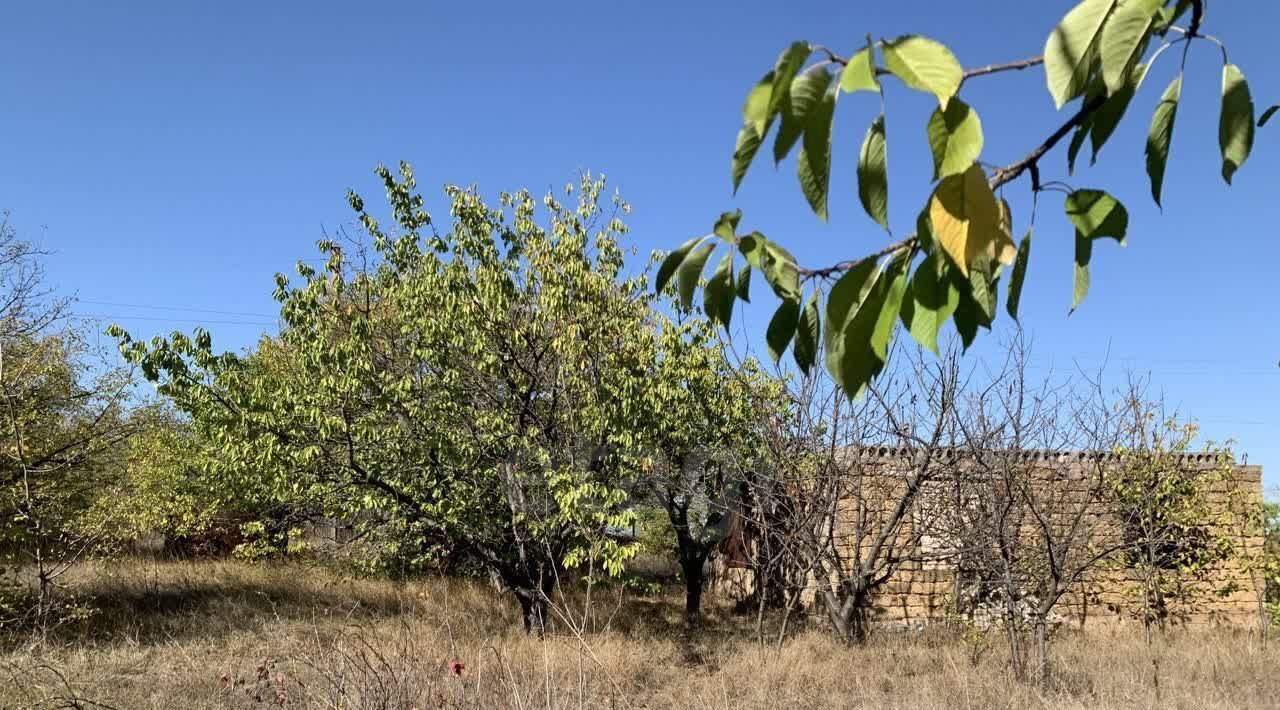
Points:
(193, 321)
(174, 308)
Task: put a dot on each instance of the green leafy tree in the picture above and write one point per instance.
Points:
(466, 394)
(62, 428)
(1165, 507)
(948, 264)
(704, 435)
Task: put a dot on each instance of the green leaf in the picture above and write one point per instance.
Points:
(931, 299)
(854, 361)
(955, 137)
(718, 296)
(843, 302)
(1160, 135)
(873, 180)
(860, 73)
(807, 335)
(673, 261)
(924, 231)
(982, 288)
(1122, 36)
(1097, 214)
(784, 71)
(806, 92)
(1168, 15)
(1266, 115)
(1084, 252)
(1070, 50)
(1104, 121)
(1235, 126)
(727, 225)
(887, 318)
(861, 312)
(1019, 274)
(744, 283)
(744, 151)
(777, 264)
(782, 327)
(1077, 142)
(966, 316)
(757, 110)
(690, 271)
(924, 64)
(814, 165)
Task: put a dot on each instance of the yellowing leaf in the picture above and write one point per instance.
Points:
(966, 218)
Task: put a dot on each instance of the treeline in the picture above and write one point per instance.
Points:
(500, 396)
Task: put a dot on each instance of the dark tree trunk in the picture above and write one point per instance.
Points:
(692, 564)
(849, 614)
(534, 594)
(533, 611)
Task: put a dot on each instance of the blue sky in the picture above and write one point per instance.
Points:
(175, 155)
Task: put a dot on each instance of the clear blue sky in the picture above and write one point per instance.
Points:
(177, 154)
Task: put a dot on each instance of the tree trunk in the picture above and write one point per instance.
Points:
(533, 610)
(533, 594)
(849, 616)
(692, 564)
(1042, 651)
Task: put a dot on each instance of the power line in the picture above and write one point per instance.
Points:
(194, 321)
(174, 308)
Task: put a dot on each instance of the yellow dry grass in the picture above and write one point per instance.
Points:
(226, 635)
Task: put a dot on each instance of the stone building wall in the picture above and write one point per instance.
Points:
(924, 590)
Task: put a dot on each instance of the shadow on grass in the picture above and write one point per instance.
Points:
(155, 603)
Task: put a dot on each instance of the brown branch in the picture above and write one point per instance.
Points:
(1197, 16)
(843, 266)
(1012, 171)
(1006, 66)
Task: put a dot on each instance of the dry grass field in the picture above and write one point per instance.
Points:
(226, 635)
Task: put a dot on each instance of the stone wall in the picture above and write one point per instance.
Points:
(924, 590)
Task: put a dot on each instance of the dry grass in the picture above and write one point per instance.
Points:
(222, 635)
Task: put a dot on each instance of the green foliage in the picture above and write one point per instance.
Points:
(955, 138)
(932, 298)
(471, 395)
(873, 179)
(1095, 215)
(1266, 115)
(702, 426)
(813, 166)
(1161, 135)
(1101, 52)
(1235, 126)
(1122, 38)
(1018, 276)
(1071, 51)
(1173, 533)
(860, 73)
(924, 64)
